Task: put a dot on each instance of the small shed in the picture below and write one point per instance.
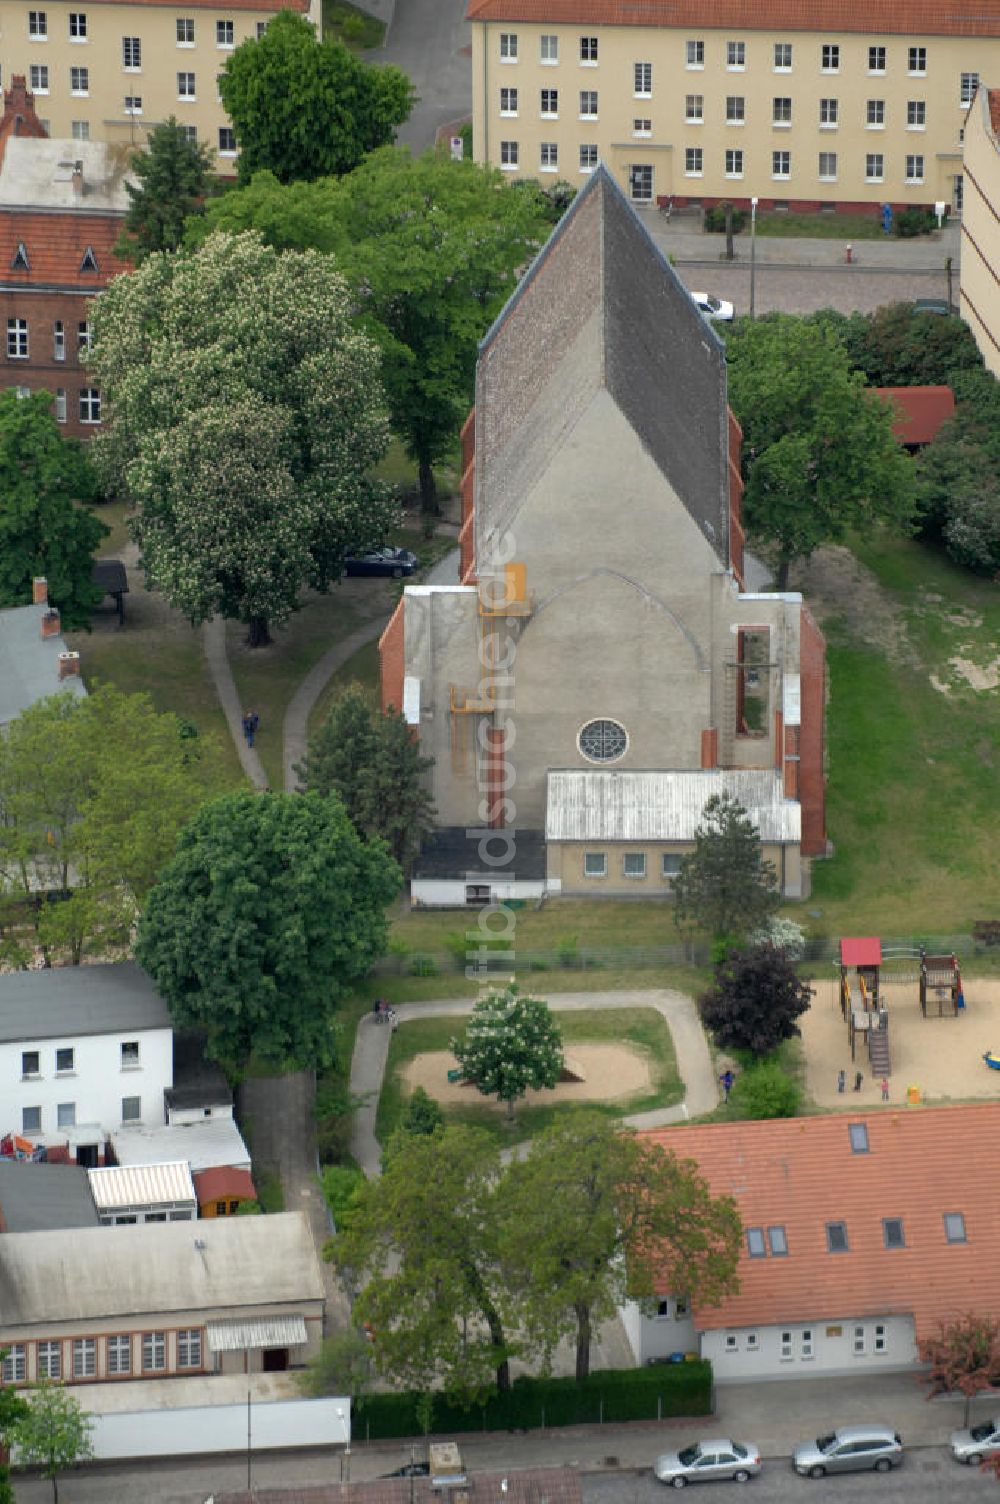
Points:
(109, 575)
(918, 412)
(222, 1191)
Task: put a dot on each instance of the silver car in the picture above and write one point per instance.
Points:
(851, 1449)
(976, 1443)
(706, 1461)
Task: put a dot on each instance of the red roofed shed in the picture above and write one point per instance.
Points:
(920, 411)
(220, 1191)
(864, 952)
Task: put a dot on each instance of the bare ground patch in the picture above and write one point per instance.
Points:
(835, 584)
(610, 1072)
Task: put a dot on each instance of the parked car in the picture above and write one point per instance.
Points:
(851, 1449)
(713, 307)
(977, 1442)
(707, 1461)
(394, 562)
(932, 305)
(409, 1470)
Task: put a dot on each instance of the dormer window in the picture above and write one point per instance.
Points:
(20, 261)
(89, 262)
(859, 1137)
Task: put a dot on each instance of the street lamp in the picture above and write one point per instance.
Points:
(753, 253)
(345, 1456)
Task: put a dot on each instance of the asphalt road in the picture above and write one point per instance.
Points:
(429, 40)
(805, 289)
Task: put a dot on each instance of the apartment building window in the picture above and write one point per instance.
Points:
(185, 31)
(131, 1106)
(968, 86)
(50, 1360)
(782, 57)
(916, 60)
(736, 55)
(79, 81)
(642, 80)
(634, 862)
(875, 114)
(588, 104)
(876, 60)
(781, 164)
(694, 53)
(508, 101)
(669, 866)
(39, 75)
(915, 169)
(224, 36)
(80, 130)
(549, 49)
(829, 114)
(781, 111)
(185, 86)
(119, 1355)
(595, 864)
(90, 406)
(828, 166)
(508, 46)
(84, 1357)
(132, 54)
(60, 404)
(892, 1232)
(189, 1347)
(14, 1368)
(261, 28)
(29, 1058)
(642, 127)
(916, 114)
(132, 105)
(65, 1059)
(588, 158)
(694, 109)
(548, 156)
(509, 154)
(694, 161)
(17, 349)
(874, 167)
(66, 1115)
(830, 57)
(550, 104)
(734, 164)
(736, 109)
(31, 1120)
(38, 26)
(154, 1352)
(588, 50)
(77, 26)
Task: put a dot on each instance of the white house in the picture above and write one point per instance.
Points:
(83, 1049)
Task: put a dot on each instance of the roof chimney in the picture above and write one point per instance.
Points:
(50, 622)
(77, 179)
(69, 665)
(39, 590)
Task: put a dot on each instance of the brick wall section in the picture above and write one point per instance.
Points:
(467, 547)
(41, 371)
(735, 497)
(468, 438)
(392, 660)
(812, 777)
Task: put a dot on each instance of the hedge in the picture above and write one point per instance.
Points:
(613, 1395)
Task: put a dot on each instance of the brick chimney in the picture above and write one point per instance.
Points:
(50, 622)
(19, 118)
(39, 590)
(69, 665)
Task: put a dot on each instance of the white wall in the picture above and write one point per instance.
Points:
(96, 1084)
(887, 1343)
(181, 1115)
(221, 1428)
(449, 892)
(653, 1337)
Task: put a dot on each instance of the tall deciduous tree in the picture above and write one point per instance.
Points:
(271, 908)
(42, 530)
(304, 108)
(964, 1357)
(173, 179)
(724, 885)
(373, 762)
(756, 1000)
(422, 1244)
(55, 1433)
(244, 416)
(595, 1214)
(510, 1043)
(819, 454)
(432, 249)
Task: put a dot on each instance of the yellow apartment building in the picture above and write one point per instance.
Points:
(980, 282)
(101, 70)
(807, 104)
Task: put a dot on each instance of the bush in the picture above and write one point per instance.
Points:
(422, 965)
(910, 222)
(334, 1112)
(567, 950)
(784, 935)
(715, 219)
(341, 1184)
(972, 532)
(766, 1090)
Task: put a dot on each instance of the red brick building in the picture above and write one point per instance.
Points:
(62, 204)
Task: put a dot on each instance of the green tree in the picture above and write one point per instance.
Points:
(755, 1000)
(55, 1433)
(724, 885)
(372, 761)
(964, 1357)
(244, 417)
(900, 346)
(173, 174)
(595, 1214)
(510, 1043)
(343, 1366)
(422, 1246)
(819, 455)
(42, 530)
(765, 1090)
(433, 249)
(307, 109)
(272, 907)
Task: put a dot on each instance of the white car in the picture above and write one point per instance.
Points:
(713, 307)
(708, 1461)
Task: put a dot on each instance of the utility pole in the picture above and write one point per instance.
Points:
(753, 255)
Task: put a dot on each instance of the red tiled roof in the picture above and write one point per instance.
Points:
(910, 18)
(866, 952)
(920, 410)
(56, 243)
(224, 1184)
(800, 1173)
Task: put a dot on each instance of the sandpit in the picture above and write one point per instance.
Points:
(941, 1056)
(611, 1072)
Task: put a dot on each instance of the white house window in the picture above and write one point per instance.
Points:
(914, 169)
(508, 46)
(588, 50)
(829, 114)
(261, 28)
(227, 140)
(954, 1227)
(781, 164)
(694, 54)
(807, 1343)
(84, 1357)
(641, 187)
(119, 1355)
(603, 741)
(786, 1345)
(508, 101)
(734, 164)
(60, 404)
(875, 114)
(39, 75)
(778, 1241)
(736, 55)
(77, 26)
(131, 1109)
(680, 1309)
(736, 109)
(64, 1059)
(916, 60)
(29, 1063)
(17, 339)
(66, 1115)
(548, 156)
(781, 110)
(634, 864)
(31, 1120)
(916, 114)
(731, 1342)
(588, 104)
(154, 1352)
(130, 1054)
(828, 166)
(892, 1232)
(642, 127)
(133, 104)
(693, 161)
(881, 1338)
(509, 155)
(662, 1310)
(14, 1369)
(782, 57)
(830, 57)
(876, 60)
(189, 1348)
(50, 1360)
(224, 35)
(38, 26)
(90, 405)
(694, 109)
(750, 1342)
(836, 1237)
(874, 167)
(595, 864)
(185, 31)
(549, 48)
(756, 1247)
(185, 86)
(588, 158)
(669, 865)
(550, 104)
(80, 130)
(642, 80)
(859, 1343)
(79, 81)
(131, 54)
(967, 88)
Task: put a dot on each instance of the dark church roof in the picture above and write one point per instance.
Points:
(453, 852)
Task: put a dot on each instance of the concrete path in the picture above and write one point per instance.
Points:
(683, 238)
(694, 1063)
(431, 41)
(213, 635)
(445, 571)
(295, 728)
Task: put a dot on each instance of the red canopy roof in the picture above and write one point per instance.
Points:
(223, 1184)
(864, 952)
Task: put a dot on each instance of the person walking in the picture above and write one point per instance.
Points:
(247, 732)
(841, 1081)
(858, 1078)
(726, 1080)
(884, 1083)
(253, 721)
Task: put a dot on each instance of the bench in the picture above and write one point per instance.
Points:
(986, 931)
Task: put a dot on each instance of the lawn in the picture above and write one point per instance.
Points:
(820, 226)
(352, 26)
(560, 922)
(644, 1028)
(360, 668)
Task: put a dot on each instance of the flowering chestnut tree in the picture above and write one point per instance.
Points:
(511, 1043)
(244, 414)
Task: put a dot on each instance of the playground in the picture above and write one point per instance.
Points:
(597, 1073)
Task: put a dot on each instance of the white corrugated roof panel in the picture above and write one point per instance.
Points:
(204, 1145)
(254, 1332)
(142, 1185)
(592, 805)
